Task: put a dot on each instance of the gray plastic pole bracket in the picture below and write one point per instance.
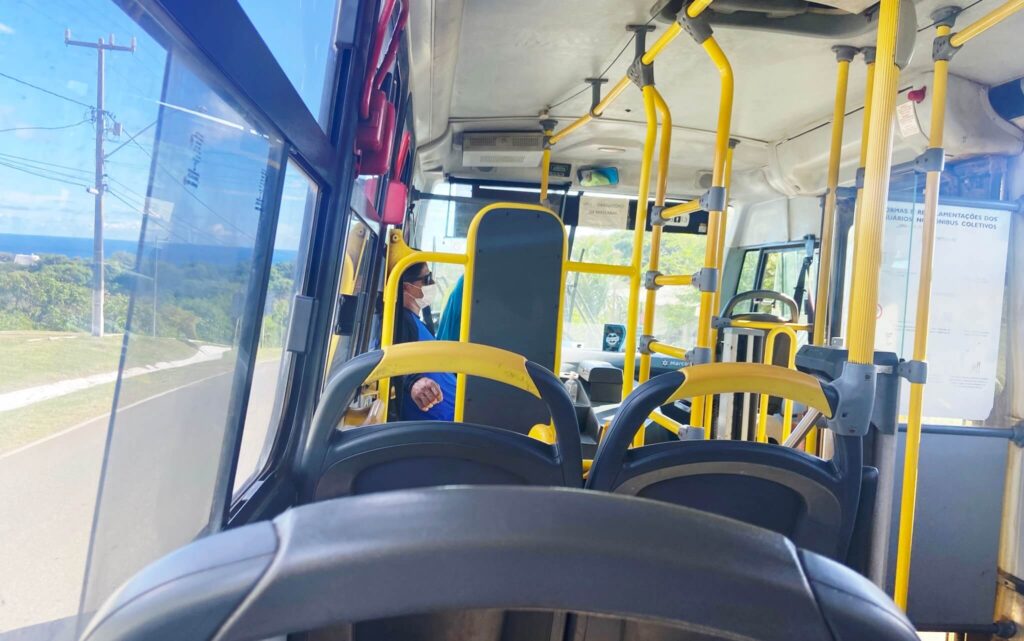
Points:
(699, 356)
(644, 344)
(699, 28)
(1018, 434)
(720, 323)
(855, 389)
(845, 53)
(705, 279)
(943, 49)
(945, 16)
(713, 199)
(933, 159)
(734, 143)
(913, 371)
(869, 55)
(649, 277)
(656, 217)
(642, 75)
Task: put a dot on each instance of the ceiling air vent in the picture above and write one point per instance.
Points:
(502, 149)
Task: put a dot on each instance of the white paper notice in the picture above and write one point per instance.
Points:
(603, 213)
(968, 278)
(906, 119)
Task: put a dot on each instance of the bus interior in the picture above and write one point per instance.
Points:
(496, 321)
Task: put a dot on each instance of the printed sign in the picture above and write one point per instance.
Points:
(613, 338)
(968, 278)
(603, 213)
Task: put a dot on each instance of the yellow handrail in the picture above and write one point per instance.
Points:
(545, 166)
(908, 499)
(869, 226)
(670, 279)
(667, 350)
(680, 209)
(660, 188)
(672, 426)
(633, 306)
(821, 297)
(787, 404)
(598, 268)
(990, 19)
(711, 258)
(598, 109)
(697, 7)
(716, 300)
(740, 323)
(394, 278)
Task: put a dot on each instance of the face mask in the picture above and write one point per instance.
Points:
(429, 293)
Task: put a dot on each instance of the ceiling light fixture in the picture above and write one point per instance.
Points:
(612, 150)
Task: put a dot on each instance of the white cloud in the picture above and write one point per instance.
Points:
(5, 30)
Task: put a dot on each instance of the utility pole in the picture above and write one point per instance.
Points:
(101, 48)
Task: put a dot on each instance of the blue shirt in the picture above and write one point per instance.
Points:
(443, 411)
(451, 317)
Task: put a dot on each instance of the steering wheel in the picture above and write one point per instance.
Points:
(439, 356)
(764, 294)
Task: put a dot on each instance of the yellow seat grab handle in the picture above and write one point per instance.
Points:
(436, 356)
(708, 379)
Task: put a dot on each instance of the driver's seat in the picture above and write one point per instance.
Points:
(415, 454)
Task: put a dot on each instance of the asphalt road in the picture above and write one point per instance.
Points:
(48, 497)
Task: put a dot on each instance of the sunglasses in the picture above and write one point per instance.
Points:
(428, 279)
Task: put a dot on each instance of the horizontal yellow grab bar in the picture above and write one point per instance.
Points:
(670, 34)
(599, 108)
(679, 210)
(697, 7)
(672, 426)
(598, 268)
(667, 350)
(678, 279)
(754, 378)
(768, 325)
(982, 24)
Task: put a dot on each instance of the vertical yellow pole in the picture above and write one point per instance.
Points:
(908, 500)
(870, 225)
(545, 163)
(633, 312)
(716, 299)
(711, 261)
(660, 187)
(844, 55)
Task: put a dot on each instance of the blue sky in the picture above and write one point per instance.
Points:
(44, 173)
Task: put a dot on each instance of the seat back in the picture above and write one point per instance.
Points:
(427, 453)
(452, 563)
(812, 501)
(513, 300)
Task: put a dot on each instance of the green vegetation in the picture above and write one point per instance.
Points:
(28, 359)
(592, 301)
(198, 300)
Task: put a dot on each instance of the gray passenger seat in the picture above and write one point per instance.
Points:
(452, 563)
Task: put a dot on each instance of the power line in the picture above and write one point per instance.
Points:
(45, 170)
(74, 124)
(46, 91)
(42, 162)
(60, 180)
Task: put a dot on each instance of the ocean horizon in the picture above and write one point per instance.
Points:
(81, 247)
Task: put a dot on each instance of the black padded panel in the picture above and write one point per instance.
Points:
(398, 554)
(428, 453)
(514, 305)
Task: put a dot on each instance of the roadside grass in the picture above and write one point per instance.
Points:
(27, 424)
(28, 359)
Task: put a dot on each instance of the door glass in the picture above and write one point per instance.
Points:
(203, 257)
(270, 376)
(300, 35)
